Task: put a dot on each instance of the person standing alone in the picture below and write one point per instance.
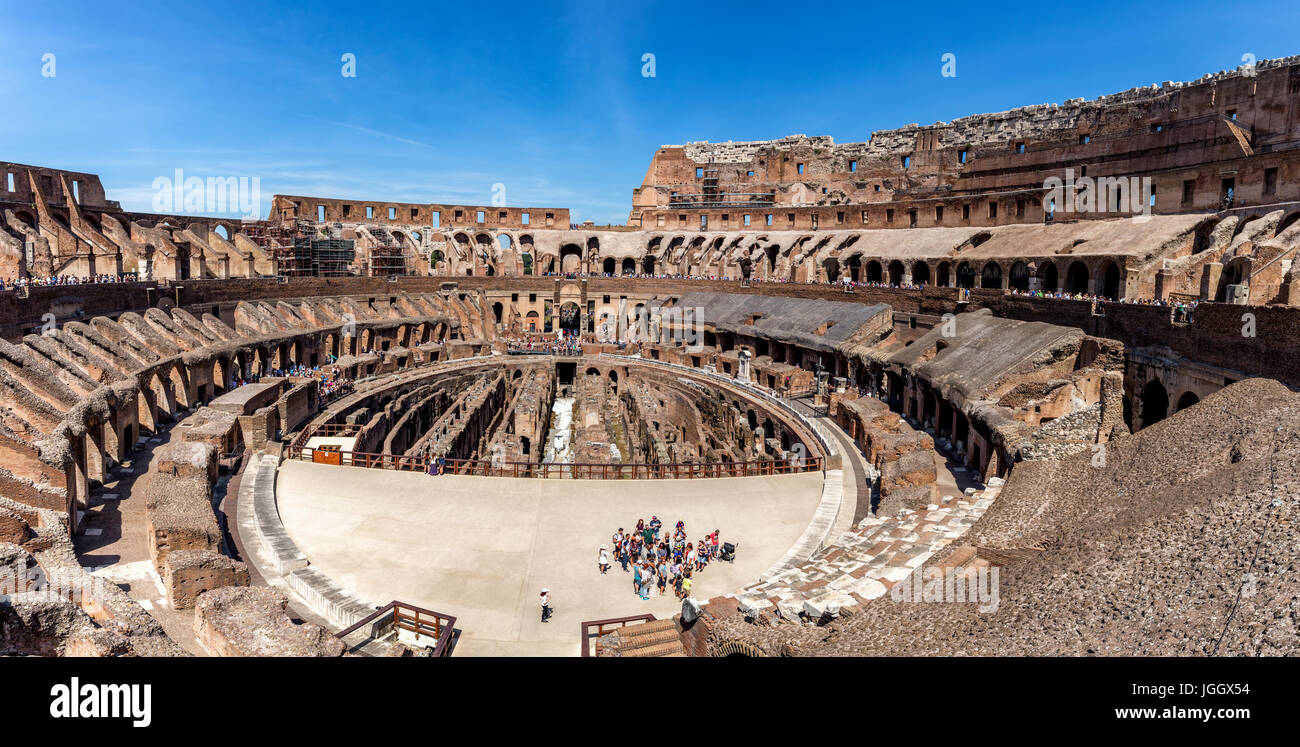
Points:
(546, 605)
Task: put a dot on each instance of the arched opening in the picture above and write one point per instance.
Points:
(921, 273)
(1233, 272)
(570, 318)
(1187, 400)
(1076, 278)
(222, 232)
(1204, 237)
(991, 275)
(570, 259)
(219, 380)
(608, 266)
(874, 272)
(855, 268)
(503, 241)
(832, 268)
(1287, 222)
(1155, 403)
(1110, 281)
(1047, 273)
(771, 252)
(648, 265)
(1019, 279)
(965, 275)
(896, 272)
(497, 311)
(629, 266)
(531, 320)
(943, 275)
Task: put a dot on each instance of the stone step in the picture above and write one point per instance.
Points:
(659, 649)
(646, 634)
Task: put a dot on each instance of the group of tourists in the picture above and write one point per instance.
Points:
(559, 343)
(30, 282)
(658, 563)
(331, 384)
(1182, 309)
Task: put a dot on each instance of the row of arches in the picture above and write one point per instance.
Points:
(1019, 276)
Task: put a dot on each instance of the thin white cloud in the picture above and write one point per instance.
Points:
(376, 133)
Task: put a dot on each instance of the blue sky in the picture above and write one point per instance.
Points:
(450, 99)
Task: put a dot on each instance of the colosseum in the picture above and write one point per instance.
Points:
(1022, 383)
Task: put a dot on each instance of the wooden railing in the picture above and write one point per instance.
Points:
(584, 471)
(412, 619)
(334, 429)
(601, 627)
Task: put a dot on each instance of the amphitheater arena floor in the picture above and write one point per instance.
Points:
(482, 548)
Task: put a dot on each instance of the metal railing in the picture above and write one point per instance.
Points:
(557, 470)
(412, 619)
(604, 626)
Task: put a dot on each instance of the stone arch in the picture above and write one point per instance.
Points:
(1076, 278)
(1110, 280)
(629, 266)
(1203, 236)
(853, 265)
(1047, 274)
(609, 266)
(831, 266)
(896, 272)
(1155, 402)
(1186, 400)
(1019, 276)
(1287, 222)
(920, 273)
(943, 274)
(991, 275)
(220, 376)
(736, 648)
(570, 258)
(965, 275)
(875, 273)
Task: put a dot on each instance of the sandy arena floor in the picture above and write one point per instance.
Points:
(482, 548)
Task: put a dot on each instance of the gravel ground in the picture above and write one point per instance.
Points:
(1182, 543)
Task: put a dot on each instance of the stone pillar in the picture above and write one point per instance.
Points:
(1210, 273)
(1164, 283)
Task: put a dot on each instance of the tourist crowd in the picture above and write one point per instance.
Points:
(657, 563)
(30, 282)
(537, 343)
(330, 383)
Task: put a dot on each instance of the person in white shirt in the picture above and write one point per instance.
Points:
(546, 605)
(604, 559)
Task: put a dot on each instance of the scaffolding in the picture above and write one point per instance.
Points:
(387, 257)
(332, 258)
